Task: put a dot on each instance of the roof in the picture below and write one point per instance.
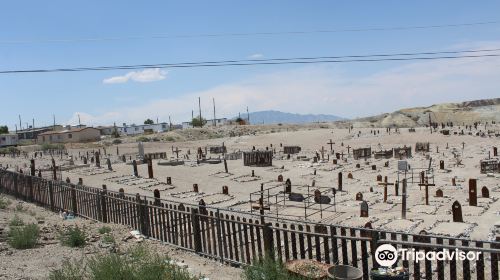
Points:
(66, 131)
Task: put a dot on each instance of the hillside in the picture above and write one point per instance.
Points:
(458, 113)
(275, 117)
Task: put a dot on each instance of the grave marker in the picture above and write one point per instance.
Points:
(288, 187)
(108, 161)
(349, 176)
(485, 193)
(134, 165)
(150, 168)
(359, 196)
(472, 192)
(225, 190)
(403, 202)
(340, 181)
(456, 208)
(364, 209)
(439, 193)
(195, 188)
(169, 180)
(280, 178)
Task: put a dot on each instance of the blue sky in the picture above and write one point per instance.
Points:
(348, 90)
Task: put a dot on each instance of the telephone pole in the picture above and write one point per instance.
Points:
(215, 122)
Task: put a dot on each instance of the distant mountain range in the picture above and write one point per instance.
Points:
(274, 117)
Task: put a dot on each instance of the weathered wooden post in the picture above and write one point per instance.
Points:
(134, 165)
(196, 230)
(97, 160)
(225, 165)
(268, 240)
(32, 167)
(150, 168)
(104, 206)
(403, 203)
(340, 182)
(472, 192)
(156, 194)
(73, 199)
(51, 195)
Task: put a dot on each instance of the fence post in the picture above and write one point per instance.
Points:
(268, 240)
(16, 192)
(51, 196)
(196, 230)
(104, 208)
(73, 199)
(219, 236)
(373, 247)
(30, 189)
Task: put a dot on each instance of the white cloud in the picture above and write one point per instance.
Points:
(144, 76)
(256, 56)
(328, 90)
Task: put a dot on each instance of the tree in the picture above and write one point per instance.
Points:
(196, 122)
(149, 121)
(4, 129)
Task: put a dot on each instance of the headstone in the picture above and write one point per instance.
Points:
(374, 167)
(472, 192)
(456, 208)
(108, 161)
(97, 160)
(358, 165)
(439, 193)
(396, 188)
(485, 193)
(364, 209)
(288, 187)
(280, 178)
(169, 180)
(349, 176)
(156, 194)
(359, 196)
(441, 164)
(379, 178)
(495, 151)
(195, 188)
(453, 181)
(340, 182)
(134, 165)
(225, 190)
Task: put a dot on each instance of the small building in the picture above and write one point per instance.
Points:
(218, 149)
(134, 129)
(86, 134)
(209, 123)
(32, 133)
(9, 139)
(362, 153)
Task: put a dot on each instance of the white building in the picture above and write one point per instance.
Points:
(135, 129)
(8, 140)
(217, 122)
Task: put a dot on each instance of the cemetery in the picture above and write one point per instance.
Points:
(448, 188)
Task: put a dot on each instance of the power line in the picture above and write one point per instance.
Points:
(215, 35)
(280, 61)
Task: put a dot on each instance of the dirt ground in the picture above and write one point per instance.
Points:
(49, 254)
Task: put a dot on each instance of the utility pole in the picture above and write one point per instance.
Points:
(170, 122)
(199, 107)
(248, 116)
(33, 127)
(20, 125)
(54, 117)
(79, 123)
(215, 122)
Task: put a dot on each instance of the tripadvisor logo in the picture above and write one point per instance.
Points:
(387, 255)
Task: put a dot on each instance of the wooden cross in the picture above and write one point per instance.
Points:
(427, 185)
(348, 148)
(177, 151)
(463, 145)
(385, 184)
(342, 154)
(322, 152)
(331, 144)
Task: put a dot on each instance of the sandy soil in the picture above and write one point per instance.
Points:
(48, 255)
